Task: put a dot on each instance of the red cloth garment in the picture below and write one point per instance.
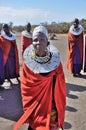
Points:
(25, 42)
(36, 93)
(6, 46)
(71, 45)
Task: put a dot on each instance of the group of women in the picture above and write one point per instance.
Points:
(9, 57)
(43, 87)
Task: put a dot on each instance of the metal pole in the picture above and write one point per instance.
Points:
(84, 53)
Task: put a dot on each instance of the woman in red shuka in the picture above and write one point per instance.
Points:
(26, 37)
(9, 59)
(43, 85)
(75, 49)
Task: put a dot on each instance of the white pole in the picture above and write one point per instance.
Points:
(84, 53)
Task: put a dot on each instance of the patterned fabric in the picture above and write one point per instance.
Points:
(53, 123)
(53, 119)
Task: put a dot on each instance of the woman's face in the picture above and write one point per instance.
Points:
(6, 29)
(76, 24)
(28, 27)
(40, 43)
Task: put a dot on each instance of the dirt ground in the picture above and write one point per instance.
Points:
(75, 116)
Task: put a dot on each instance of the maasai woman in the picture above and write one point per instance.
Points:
(26, 37)
(9, 64)
(75, 49)
(43, 86)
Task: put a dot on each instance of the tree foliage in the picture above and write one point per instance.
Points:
(52, 28)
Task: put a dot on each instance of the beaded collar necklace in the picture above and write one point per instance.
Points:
(43, 59)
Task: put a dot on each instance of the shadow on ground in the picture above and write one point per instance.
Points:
(74, 87)
(67, 125)
(10, 103)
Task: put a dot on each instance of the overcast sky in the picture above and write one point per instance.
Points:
(38, 11)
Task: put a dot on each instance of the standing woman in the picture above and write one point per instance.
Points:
(9, 54)
(75, 49)
(26, 37)
(43, 85)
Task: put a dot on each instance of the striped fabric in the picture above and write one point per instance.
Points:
(53, 123)
(53, 120)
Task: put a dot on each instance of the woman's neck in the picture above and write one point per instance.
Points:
(9, 34)
(41, 54)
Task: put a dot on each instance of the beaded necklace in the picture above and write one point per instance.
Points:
(43, 59)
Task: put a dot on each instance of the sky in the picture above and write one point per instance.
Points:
(41, 11)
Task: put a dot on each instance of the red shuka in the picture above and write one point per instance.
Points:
(71, 45)
(25, 42)
(37, 98)
(6, 46)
